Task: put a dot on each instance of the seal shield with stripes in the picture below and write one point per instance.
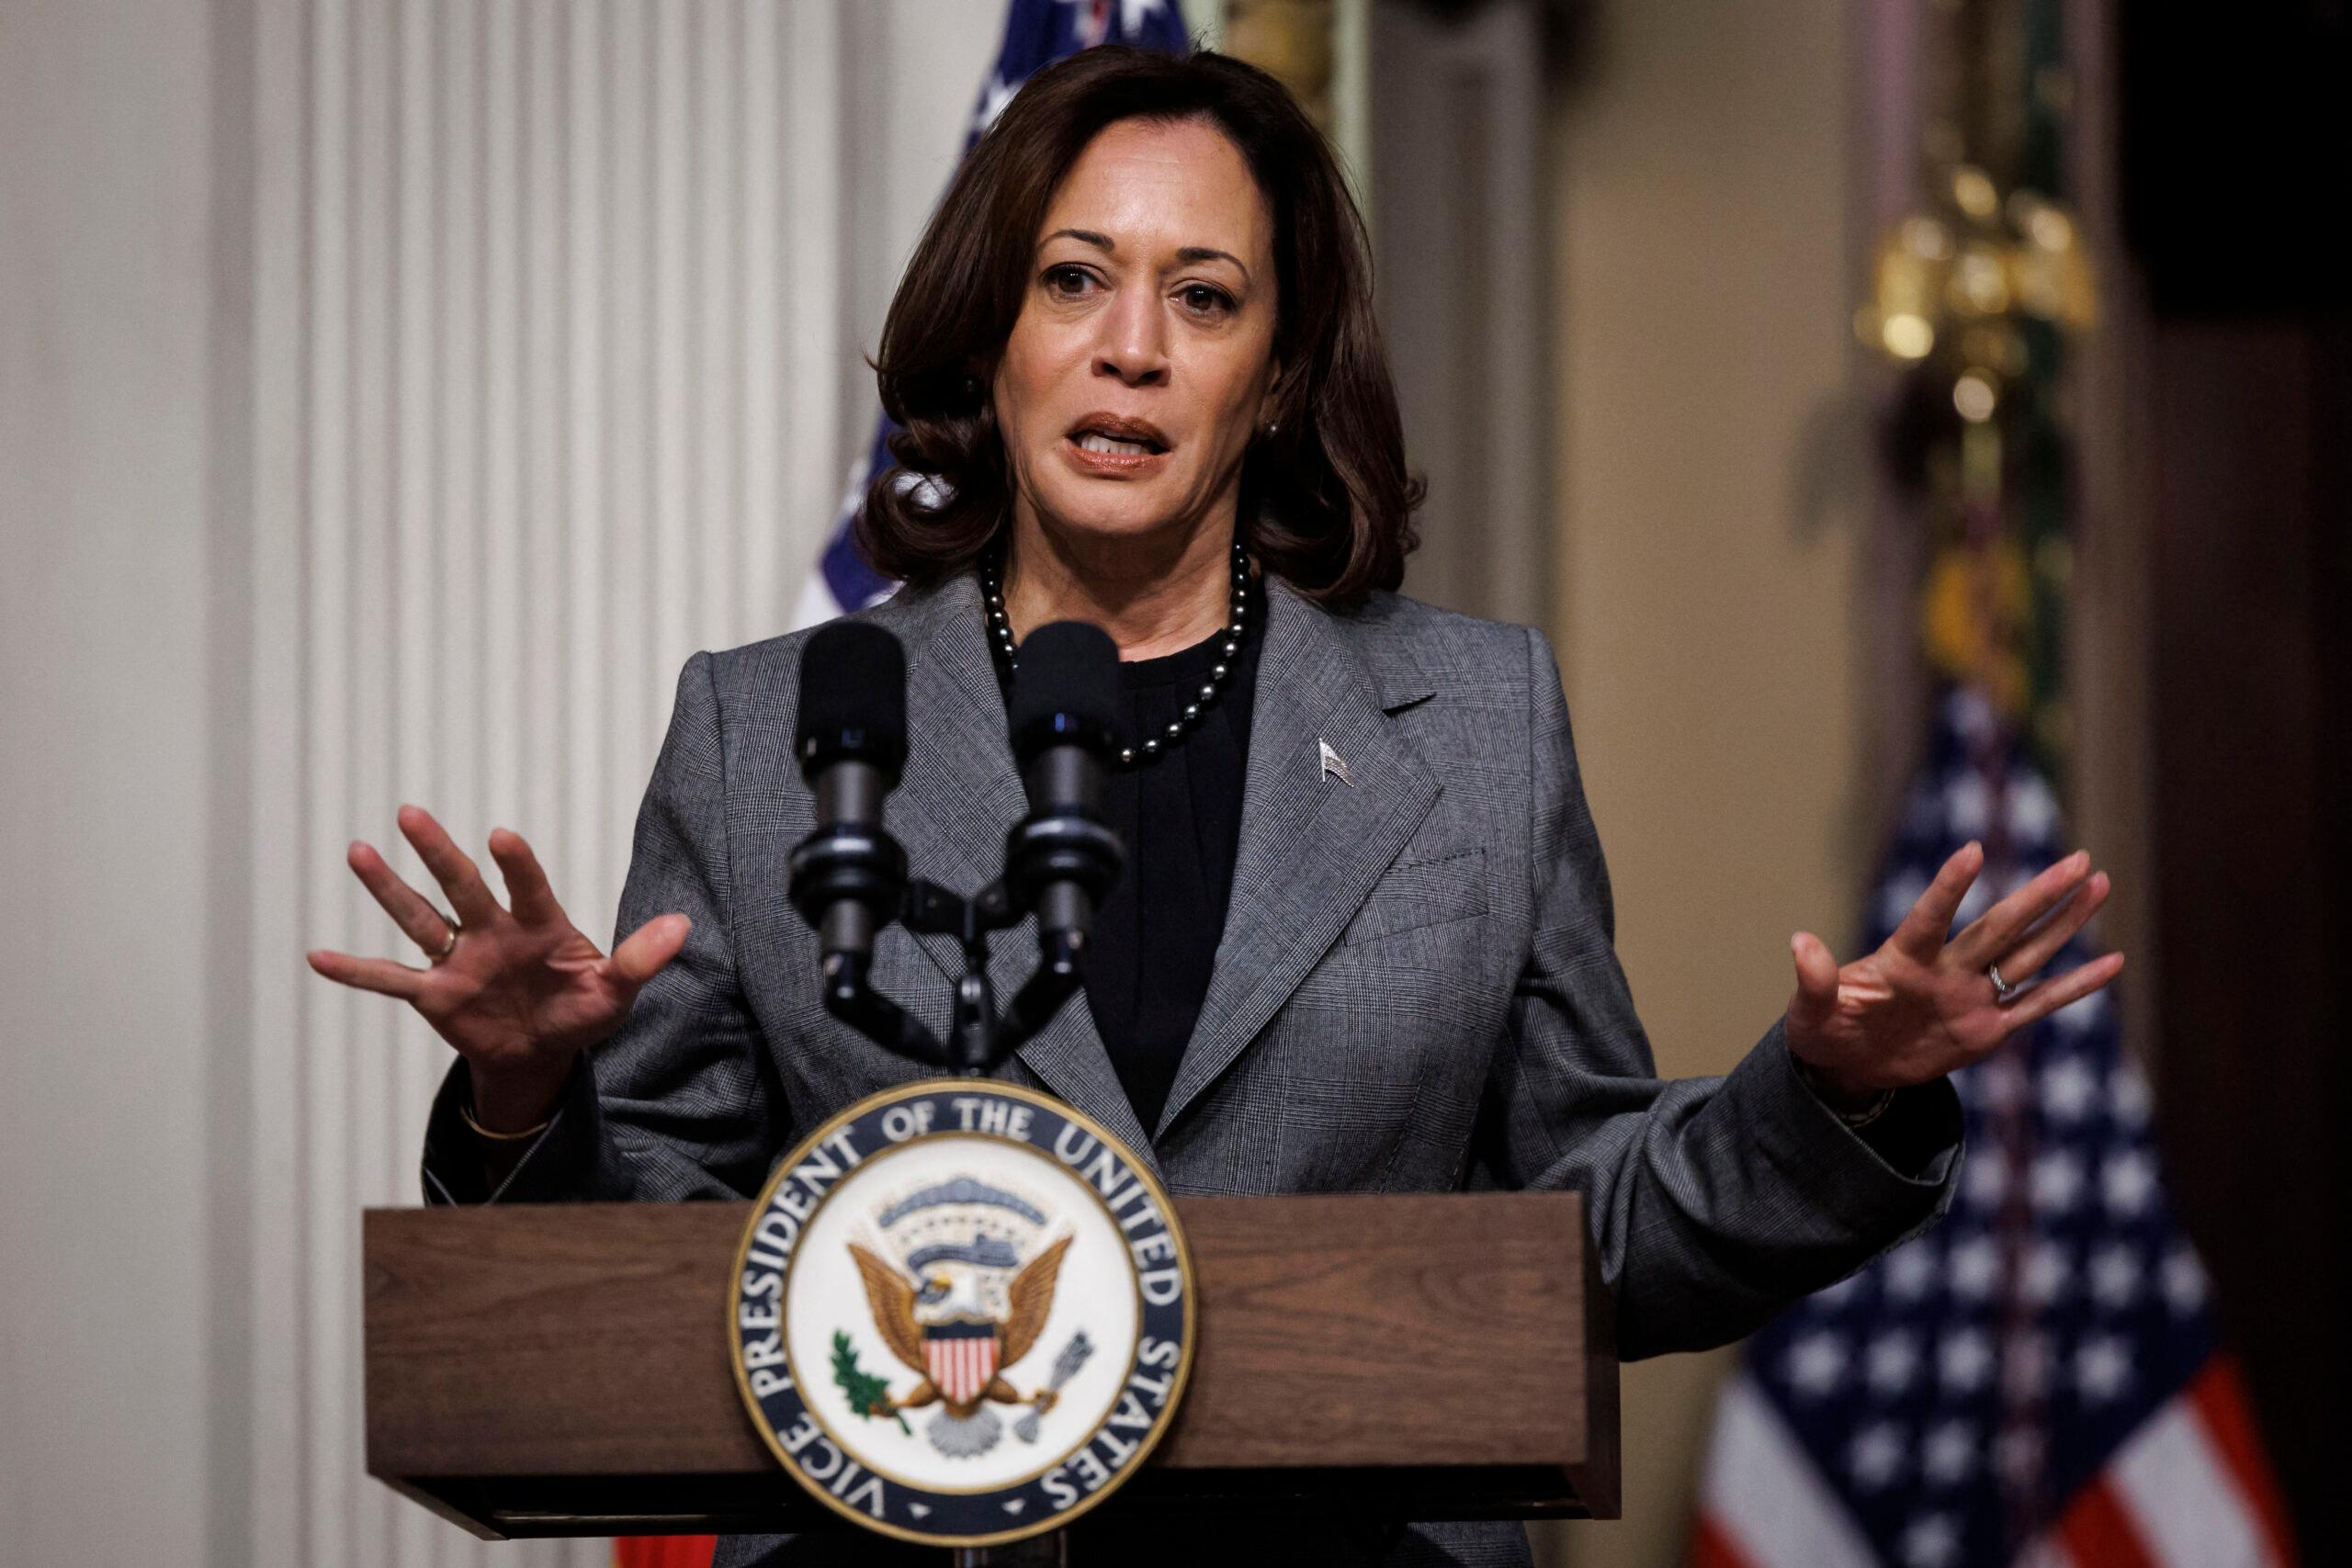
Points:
(962, 1359)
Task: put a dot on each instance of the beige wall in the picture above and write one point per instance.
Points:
(106, 1305)
(1712, 500)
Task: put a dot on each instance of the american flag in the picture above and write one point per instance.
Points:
(2036, 1380)
(1037, 33)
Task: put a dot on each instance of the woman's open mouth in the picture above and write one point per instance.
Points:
(1094, 441)
(1114, 448)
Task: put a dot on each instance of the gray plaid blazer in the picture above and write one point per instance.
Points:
(1416, 990)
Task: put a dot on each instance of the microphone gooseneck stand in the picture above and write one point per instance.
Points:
(849, 875)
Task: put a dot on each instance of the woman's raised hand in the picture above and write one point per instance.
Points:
(519, 993)
(1926, 1003)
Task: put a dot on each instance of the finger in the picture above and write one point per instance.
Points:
(527, 885)
(1998, 928)
(378, 975)
(1923, 930)
(451, 867)
(2046, 940)
(648, 950)
(1816, 967)
(2071, 987)
(410, 910)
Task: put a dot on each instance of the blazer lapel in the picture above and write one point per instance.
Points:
(1312, 843)
(1068, 1056)
(958, 797)
(959, 791)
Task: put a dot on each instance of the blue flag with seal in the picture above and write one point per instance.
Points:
(1037, 33)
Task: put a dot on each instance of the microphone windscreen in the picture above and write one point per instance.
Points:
(1066, 688)
(853, 700)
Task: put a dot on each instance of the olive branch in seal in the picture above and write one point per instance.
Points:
(868, 1396)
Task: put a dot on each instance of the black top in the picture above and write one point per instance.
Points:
(1155, 939)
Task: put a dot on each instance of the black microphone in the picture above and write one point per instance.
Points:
(1062, 858)
(849, 874)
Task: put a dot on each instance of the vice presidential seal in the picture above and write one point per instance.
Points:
(962, 1312)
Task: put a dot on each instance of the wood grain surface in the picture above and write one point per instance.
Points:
(563, 1368)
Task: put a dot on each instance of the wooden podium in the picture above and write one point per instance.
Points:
(562, 1369)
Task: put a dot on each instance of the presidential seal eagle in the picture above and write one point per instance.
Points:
(945, 1324)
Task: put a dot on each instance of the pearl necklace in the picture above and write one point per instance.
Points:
(1000, 646)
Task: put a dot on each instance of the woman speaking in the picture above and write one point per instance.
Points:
(1363, 942)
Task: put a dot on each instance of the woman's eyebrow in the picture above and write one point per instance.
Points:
(1104, 243)
(1206, 253)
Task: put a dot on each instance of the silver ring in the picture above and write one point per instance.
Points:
(2002, 990)
(451, 945)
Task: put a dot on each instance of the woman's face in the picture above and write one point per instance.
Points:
(1142, 360)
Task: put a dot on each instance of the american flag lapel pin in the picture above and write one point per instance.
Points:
(1334, 765)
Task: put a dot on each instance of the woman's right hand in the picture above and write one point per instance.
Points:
(518, 993)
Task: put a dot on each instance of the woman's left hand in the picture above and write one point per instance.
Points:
(1923, 1005)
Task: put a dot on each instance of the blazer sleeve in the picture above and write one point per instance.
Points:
(683, 1101)
(1714, 1202)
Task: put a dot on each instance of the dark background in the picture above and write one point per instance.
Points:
(2237, 156)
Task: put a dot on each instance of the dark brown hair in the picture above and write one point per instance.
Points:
(1326, 500)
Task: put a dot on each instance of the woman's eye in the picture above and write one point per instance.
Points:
(1066, 279)
(1205, 299)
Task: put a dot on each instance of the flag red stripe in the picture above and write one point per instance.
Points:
(1711, 1547)
(664, 1550)
(2219, 1393)
(2098, 1529)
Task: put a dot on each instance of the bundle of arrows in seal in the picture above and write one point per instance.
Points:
(1066, 1367)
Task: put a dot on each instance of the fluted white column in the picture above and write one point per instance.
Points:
(552, 308)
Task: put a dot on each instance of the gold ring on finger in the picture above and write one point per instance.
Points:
(2002, 990)
(451, 945)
